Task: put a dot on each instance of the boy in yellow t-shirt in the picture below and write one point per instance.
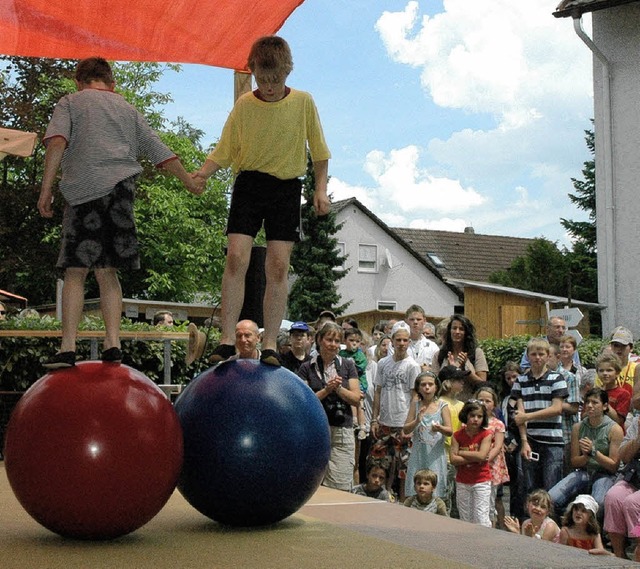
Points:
(265, 141)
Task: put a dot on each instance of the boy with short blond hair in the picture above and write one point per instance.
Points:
(539, 394)
(425, 482)
(265, 141)
(608, 367)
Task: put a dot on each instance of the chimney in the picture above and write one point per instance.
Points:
(469, 229)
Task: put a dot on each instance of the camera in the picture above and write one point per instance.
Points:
(336, 410)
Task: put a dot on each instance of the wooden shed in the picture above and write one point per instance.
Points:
(499, 311)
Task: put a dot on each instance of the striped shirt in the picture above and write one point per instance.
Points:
(536, 395)
(105, 136)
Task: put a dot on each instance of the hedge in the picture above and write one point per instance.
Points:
(21, 359)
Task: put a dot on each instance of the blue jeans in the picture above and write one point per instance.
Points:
(546, 472)
(580, 482)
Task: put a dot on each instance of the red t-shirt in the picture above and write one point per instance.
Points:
(474, 472)
(620, 400)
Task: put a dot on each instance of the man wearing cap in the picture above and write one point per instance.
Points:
(299, 341)
(621, 344)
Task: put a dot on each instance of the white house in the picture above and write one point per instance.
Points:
(616, 77)
(393, 268)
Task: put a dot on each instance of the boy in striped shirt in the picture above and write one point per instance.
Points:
(95, 137)
(540, 393)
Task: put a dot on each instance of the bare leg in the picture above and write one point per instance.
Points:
(617, 544)
(276, 291)
(111, 305)
(238, 257)
(72, 306)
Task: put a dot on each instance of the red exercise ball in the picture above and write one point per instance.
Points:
(93, 451)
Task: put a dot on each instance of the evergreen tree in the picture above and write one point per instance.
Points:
(315, 261)
(582, 260)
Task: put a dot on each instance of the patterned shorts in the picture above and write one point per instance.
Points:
(101, 234)
(393, 448)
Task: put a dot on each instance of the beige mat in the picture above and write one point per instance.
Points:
(334, 530)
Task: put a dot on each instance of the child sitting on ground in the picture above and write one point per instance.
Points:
(424, 483)
(374, 487)
(580, 526)
(539, 524)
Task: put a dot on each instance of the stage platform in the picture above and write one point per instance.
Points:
(333, 530)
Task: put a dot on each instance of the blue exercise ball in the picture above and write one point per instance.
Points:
(256, 443)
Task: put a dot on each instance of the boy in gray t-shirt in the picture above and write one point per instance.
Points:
(96, 138)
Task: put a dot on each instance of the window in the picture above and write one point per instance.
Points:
(386, 305)
(437, 261)
(341, 249)
(368, 258)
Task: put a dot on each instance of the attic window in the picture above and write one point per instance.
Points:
(367, 258)
(437, 261)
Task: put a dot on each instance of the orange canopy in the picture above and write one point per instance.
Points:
(212, 32)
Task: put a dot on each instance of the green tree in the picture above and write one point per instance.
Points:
(181, 235)
(543, 269)
(315, 261)
(29, 89)
(583, 258)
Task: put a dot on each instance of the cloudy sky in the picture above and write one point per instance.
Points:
(439, 114)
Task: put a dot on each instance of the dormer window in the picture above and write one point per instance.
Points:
(437, 261)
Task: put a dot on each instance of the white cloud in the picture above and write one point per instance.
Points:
(516, 65)
(510, 59)
(400, 179)
(521, 74)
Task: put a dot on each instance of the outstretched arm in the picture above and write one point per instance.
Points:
(208, 169)
(175, 167)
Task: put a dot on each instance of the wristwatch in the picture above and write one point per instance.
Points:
(593, 452)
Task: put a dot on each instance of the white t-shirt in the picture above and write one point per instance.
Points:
(423, 350)
(395, 380)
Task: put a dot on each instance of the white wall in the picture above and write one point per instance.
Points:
(616, 32)
(406, 283)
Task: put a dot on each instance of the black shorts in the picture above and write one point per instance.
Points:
(258, 197)
(101, 234)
